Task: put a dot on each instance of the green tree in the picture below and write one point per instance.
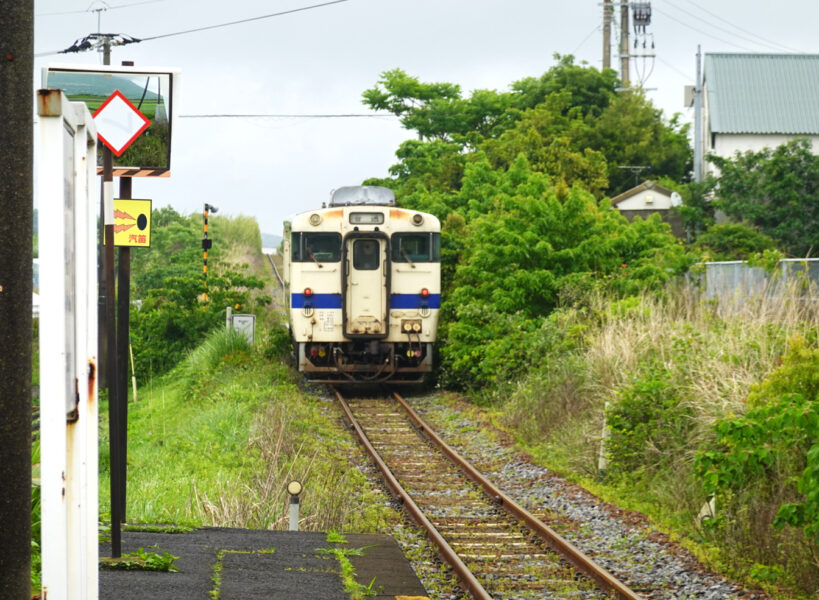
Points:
(776, 190)
(569, 123)
(523, 246)
(733, 241)
(170, 317)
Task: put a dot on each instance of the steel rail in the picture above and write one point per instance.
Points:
(275, 270)
(468, 580)
(580, 561)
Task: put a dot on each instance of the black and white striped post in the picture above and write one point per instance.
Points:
(206, 244)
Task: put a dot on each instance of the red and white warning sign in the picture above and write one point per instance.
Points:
(119, 122)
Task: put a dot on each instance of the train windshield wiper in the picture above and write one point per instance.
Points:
(404, 252)
(315, 260)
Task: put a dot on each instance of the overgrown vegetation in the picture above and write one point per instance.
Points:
(559, 312)
(142, 560)
(217, 441)
(690, 414)
(555, 307)
(170, 314)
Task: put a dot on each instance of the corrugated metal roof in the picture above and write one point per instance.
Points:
(763, 93)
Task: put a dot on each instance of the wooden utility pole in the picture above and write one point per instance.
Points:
(607, 15)
(16, 232)
(624, 49)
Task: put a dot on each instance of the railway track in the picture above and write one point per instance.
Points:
(275, 270)
(496, 548)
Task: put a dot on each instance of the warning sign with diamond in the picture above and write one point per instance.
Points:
(119, 122)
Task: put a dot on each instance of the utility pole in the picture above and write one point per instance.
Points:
(16, 230)
(624, 49)
(607, 15)
(698, 119)
(102, 325)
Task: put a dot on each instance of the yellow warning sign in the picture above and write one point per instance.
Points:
(132, 223)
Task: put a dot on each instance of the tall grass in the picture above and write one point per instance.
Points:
(240, 233)
(696, 356)
(216, 442)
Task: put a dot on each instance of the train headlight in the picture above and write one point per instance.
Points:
(425, 293)
(308, 292)
(315, 219)
(417, 219)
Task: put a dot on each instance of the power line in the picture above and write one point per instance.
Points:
(684, 24)
(87, 44)
(278, 14)
(89, 9)
(724, 30)
(669, 65)
(734, 25)
(288, 116)
(586, 39)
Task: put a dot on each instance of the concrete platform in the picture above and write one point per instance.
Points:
(250, 564)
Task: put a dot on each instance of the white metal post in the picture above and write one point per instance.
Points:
(68, 348)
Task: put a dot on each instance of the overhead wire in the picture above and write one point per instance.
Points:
(700, 31)
(205, 28)
(586, 39)
(670, 66)
(288, 116)
(722, 29)
(89, 9)
(240, 21)
(735, 26)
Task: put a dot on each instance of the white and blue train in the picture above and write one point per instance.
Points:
(363, 288)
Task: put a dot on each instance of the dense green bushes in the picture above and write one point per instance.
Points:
(523, 251)
(764, 472)
(169, 314)
(698, 403)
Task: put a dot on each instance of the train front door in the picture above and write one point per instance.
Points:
(366, 290)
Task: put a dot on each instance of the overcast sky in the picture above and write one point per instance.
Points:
(319, 61)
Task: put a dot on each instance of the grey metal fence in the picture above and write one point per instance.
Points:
(736, 280)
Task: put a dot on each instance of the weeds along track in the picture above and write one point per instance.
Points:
(497, 549)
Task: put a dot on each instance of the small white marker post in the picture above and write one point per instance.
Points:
(294, 489)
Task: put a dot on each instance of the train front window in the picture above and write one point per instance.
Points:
(416, 247)
(366, 255)
(316, 247)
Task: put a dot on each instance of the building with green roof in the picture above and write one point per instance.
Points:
(753, 101)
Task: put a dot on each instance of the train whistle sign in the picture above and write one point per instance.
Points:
(132, 223)
(119, 122)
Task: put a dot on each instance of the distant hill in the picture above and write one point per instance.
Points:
(100, 87)
(271, 241)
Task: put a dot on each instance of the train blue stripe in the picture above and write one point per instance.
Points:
(315, 300)
(414, 301)
(398, 301)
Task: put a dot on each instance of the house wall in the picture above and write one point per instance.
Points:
(645, 200)
(729, 144)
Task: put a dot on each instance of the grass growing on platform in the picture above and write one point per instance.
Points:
(216, 442)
